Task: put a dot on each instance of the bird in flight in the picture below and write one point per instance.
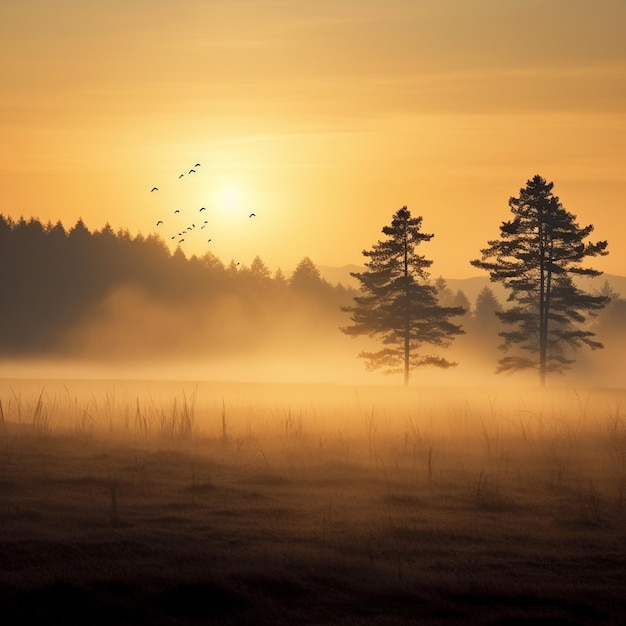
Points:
(154, 189)
(252, 215)
(202, 209)
(181, 240)
(180, 176)
(177, 211)
(197, 165)
(159, 222)
(192, 171)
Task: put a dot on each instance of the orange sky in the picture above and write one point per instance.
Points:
(323, 117)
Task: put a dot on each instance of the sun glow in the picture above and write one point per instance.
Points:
(230, 198)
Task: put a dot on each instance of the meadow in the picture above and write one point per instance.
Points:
(147, 502)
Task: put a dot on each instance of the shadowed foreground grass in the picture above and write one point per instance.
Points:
(295, 521)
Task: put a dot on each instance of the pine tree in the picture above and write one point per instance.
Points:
(539, 253)
(307, 277)
(259, 270)
(485, 310)
(484, 326)
(398, 305)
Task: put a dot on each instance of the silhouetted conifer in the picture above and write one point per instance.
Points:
(307, 278)
(398, 305)
(536, 257)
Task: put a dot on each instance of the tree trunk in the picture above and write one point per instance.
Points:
(543, 309)
(545, 300)
(407, 315)
(406, 356)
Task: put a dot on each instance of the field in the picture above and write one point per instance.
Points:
(194, 503)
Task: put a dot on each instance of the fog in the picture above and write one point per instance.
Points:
(130, 334)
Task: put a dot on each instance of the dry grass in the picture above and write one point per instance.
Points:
(207, 503)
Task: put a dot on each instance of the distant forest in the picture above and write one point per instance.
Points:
(107, 294)
(55, 282)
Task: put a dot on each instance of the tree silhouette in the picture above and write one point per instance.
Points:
(485, 310)
(462, 301)
(484, 325)
(398, 305)
(539, 252)
(279, 278)
(445, 295)
(306, 279)
(610, 321)
(259, 270)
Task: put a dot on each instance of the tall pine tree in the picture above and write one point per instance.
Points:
(398, 305)
(539, 253)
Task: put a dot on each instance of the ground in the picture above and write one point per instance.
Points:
(304, 523)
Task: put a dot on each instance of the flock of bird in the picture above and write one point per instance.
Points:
(180, 234)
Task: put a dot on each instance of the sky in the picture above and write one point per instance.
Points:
(321, 117)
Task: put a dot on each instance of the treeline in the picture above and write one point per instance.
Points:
(106, 293)
(54, 281)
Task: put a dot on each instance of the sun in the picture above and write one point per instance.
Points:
(230, 198)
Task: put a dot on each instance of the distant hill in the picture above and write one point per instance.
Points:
(335, 275)
(471, 287)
